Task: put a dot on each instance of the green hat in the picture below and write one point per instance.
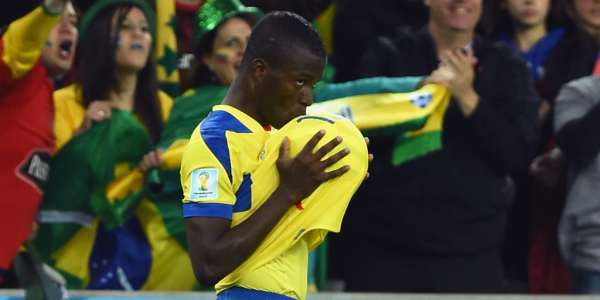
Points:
(213, 12)
(99, 6)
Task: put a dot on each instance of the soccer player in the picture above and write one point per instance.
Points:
(226, 230)
(34, 50)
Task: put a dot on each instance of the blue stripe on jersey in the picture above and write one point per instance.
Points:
(315, 117)
(243, 195)
(215, 210)
(213, 130)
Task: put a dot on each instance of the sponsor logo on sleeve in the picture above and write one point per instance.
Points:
(204, 184)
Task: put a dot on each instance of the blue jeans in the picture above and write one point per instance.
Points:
(584, 281)
(238, 293)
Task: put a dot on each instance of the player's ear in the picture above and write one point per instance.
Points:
(260, 68)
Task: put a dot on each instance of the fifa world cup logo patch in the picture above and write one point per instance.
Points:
(204, 176)
(204, 184)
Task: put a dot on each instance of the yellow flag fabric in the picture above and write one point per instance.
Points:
(416, 118)
(166, 47)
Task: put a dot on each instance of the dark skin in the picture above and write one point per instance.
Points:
(271, 95)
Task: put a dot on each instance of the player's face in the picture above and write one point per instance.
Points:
(527, 13)
(59, 51)
(229, 46)
(133, 41)
(288, 90)
(459, 15)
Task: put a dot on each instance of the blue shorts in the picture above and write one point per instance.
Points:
(238, 293)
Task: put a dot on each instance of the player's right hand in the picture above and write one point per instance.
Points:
(301, 175)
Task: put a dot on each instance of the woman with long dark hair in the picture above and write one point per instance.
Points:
(95, 220)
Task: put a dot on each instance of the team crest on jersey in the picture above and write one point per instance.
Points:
(204, 184)
(263, 153)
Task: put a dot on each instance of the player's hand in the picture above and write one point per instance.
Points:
(152, 159)
(303, 174)
(367, 140)
(97, 111)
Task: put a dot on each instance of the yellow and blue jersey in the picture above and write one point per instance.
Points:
(218, 162)
(217, 178)
(228, 170)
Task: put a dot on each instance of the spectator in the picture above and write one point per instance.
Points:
(535, 34)
(117, 55)
(577, 114)
(35, 50)
(435, 224)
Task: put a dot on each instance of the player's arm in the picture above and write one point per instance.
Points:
(25, 37)
(216, 249)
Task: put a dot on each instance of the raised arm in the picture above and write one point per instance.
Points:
(24, 39)
(216, 249)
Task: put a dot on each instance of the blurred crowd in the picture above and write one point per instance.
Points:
(506, 205)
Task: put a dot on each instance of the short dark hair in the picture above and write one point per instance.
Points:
(279, 35)
(97, 75)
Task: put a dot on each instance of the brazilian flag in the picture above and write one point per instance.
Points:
(98, 228)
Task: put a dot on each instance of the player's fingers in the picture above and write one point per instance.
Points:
(328, 147)
(324, 176)
(333, 159)
(284, 149)
(312, 143)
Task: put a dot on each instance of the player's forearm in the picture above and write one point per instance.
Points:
(221, 256)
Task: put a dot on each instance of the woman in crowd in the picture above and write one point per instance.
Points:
(114, 113)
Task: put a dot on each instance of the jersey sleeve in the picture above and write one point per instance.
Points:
(68, 115)
(24, 39)
(206, 179)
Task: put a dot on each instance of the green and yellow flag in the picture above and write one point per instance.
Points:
(166, 47)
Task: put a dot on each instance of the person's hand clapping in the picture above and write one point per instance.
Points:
(461, 63)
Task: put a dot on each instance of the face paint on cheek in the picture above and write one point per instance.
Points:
(48, 43)
(222, 55)
(115, 41)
